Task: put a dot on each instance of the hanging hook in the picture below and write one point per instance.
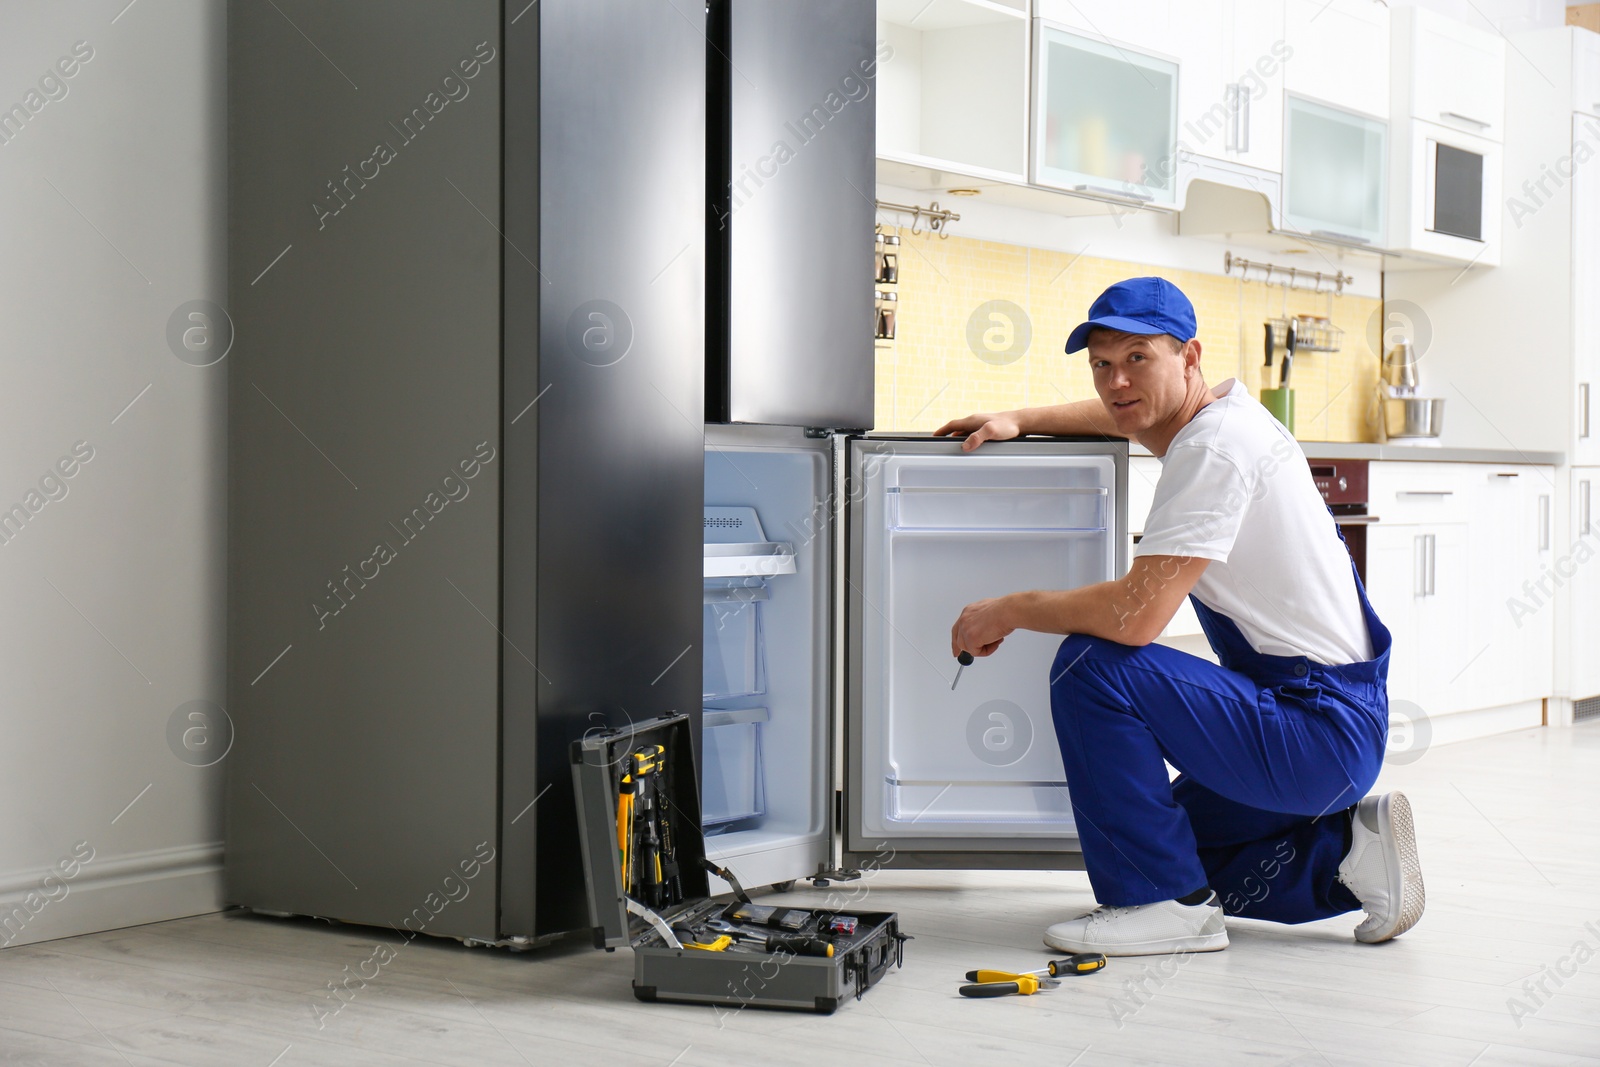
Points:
(916, 217)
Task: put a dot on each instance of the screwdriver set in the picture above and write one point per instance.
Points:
(648, 879)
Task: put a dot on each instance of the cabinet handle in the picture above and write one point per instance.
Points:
(1230, 96)
(1433, 562)
(1426, 492)
(1505, 474)
(1544, 522)
(1584, 525)
(1419, 565)
(1244, 123)
(1343, 238)
(1459, 117)
(1583, 410)
(1116, 194)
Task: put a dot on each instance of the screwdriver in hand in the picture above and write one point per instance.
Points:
(962, 662)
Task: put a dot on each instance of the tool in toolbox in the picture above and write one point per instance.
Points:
(985, 983)
(963, 661)
(649, 858)
(650, 889)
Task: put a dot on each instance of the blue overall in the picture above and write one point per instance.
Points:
(1272, 752)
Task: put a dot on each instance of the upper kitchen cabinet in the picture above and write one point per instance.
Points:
(953, 85)
(1334, 174)
(1585, 69)
(1230, 95)
(1446, 168)
(1448, 72)
(1105, 116)
(1338, 53)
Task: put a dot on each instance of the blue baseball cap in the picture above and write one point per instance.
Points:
(1138, 305)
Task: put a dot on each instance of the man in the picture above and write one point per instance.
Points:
(1277, 746)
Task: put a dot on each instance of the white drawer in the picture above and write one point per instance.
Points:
(1406, 491)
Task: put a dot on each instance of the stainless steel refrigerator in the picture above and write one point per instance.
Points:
(547, 406)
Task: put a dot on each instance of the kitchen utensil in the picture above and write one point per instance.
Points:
(1413, 416)
(1266, 375)
(1290, 341)
(1400, 369)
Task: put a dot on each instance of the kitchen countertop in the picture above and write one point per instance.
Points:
(1419, 453)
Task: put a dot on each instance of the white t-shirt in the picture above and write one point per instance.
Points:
(1236, 489)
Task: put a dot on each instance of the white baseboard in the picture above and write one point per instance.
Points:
(1484, 722)
(109, 892)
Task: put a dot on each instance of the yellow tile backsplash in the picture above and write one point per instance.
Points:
(981, 327)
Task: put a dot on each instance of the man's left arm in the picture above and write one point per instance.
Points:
(1132, 610)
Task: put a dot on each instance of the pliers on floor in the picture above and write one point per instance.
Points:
(1005, 983)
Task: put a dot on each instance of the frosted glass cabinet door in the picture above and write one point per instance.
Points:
(1334, 173)
(1105, 118)
(974, 769)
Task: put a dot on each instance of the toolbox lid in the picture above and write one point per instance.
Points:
(598, 762)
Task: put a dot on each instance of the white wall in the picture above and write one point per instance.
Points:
(112, 214)
(1506, 16)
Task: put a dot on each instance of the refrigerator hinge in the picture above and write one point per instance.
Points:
(826, 874)
(818, 432)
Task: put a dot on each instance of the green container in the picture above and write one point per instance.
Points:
(1281, 403)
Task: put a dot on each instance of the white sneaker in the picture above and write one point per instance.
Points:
(1143, 929)
(1382, 868)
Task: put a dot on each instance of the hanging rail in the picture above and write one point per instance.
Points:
(1292, 274)
(937, 216)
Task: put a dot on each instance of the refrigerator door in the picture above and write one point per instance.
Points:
(789, 240)
(970, 776)
(766, 739)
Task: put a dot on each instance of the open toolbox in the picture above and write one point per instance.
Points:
(645, 864)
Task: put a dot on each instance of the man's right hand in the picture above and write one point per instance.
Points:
(1001, 426)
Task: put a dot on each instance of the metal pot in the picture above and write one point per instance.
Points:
(1413, 416)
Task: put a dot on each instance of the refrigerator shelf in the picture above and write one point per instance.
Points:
(998, 507)
(749, 559)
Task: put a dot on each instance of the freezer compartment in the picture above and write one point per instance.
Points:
(974, 768)
(767, 653)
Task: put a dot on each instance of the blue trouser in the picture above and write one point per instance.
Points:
(1272, 752)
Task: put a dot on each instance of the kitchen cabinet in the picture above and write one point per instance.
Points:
(1105, 117)
(954, 92)
(1583, 585)
(1448, 72)
(1230, 94)
(1510, 651)
(1154, 25)
(1446, 166)
(1584, 52)
(1457, 544)
(1339, 53)
(1335, 174)
(1585, 310)
(1417, 581)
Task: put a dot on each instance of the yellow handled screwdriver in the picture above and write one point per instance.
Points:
(1005, 984)
(1081, 963)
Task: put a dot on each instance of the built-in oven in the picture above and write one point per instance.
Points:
(1455, 190)
(1343, 485)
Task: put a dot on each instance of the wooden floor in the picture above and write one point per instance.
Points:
(1510, 836)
